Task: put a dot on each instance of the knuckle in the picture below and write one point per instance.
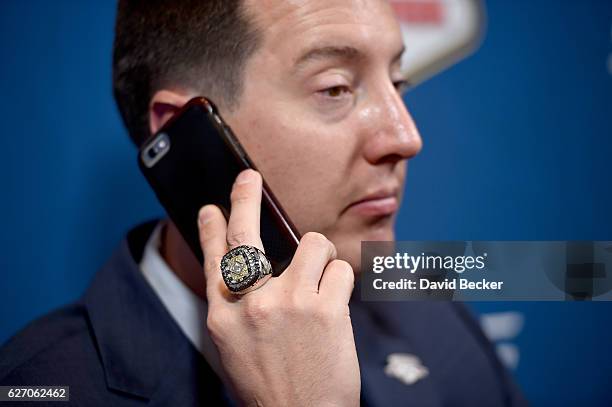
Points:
(317, 240)
(297, 305)
(217, 323)
(213, 324)
(206, 236)
(342, 268)
(321, 313)
(213, 263)
(237, 237)
(327, 315)
(240, 194)
(300, 308)
(258, 312)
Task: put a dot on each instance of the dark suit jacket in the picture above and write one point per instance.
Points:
(118, 346)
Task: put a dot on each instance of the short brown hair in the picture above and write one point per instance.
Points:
(198, 44)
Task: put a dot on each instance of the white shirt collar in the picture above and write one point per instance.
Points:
(187, 309)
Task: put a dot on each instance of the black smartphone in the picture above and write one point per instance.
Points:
(193, 161)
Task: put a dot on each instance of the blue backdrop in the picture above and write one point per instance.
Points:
(518, 143)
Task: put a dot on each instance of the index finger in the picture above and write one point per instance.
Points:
(244, 219)
(213, 229)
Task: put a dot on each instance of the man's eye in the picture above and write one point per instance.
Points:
(335, 91)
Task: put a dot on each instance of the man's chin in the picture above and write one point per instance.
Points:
(349, 245)
(382, 233)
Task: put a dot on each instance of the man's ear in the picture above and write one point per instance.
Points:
(163, 105)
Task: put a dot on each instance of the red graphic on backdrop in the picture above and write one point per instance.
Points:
(419, 11)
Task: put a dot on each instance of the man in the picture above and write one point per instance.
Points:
(311, 88)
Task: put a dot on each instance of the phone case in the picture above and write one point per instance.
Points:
(193, 161)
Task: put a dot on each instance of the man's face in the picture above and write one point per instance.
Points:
(321, 117)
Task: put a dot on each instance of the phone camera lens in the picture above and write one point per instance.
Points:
(155, 150)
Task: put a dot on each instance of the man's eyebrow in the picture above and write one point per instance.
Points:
(329, 52)
(338, 52)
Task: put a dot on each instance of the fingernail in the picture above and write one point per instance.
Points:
(244, 177)
(204, 215)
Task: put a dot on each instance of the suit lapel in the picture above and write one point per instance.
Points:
(141, 348)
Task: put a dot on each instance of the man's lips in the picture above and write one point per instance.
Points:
(381, 203)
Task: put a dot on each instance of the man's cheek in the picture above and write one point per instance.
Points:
(307, 214)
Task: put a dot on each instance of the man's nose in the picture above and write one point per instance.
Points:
(393, 135)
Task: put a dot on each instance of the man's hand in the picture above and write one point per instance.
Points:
(290, 342)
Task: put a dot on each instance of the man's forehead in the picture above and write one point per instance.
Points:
(299, 25)
(271, 12)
